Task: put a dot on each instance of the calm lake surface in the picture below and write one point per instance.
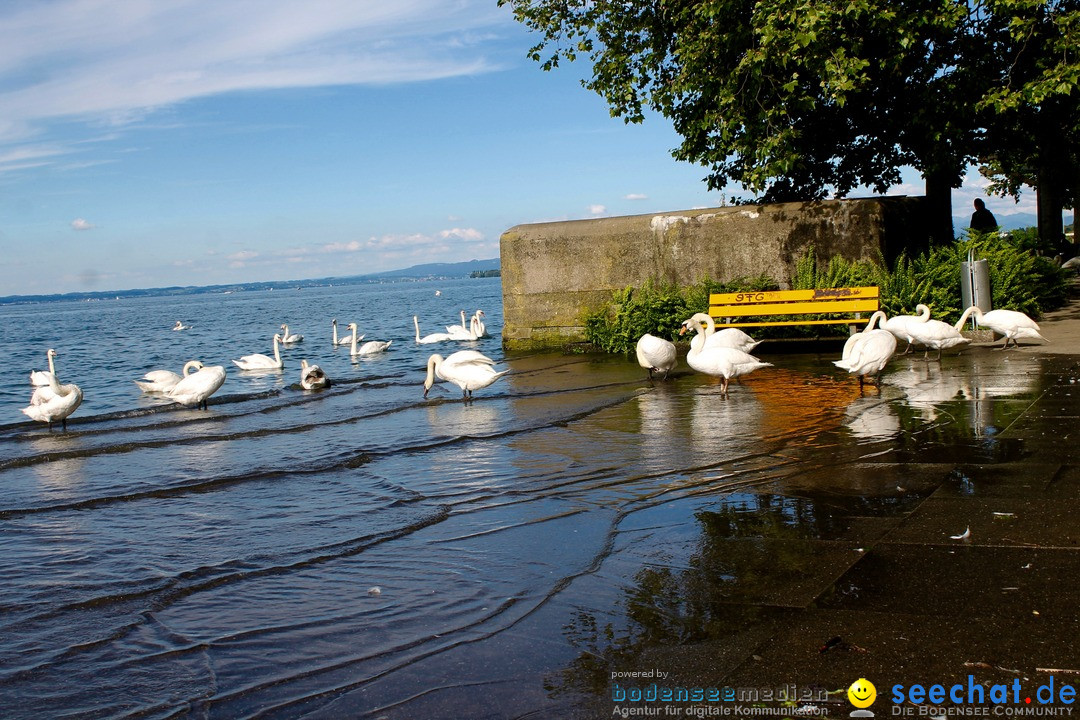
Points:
(364, 552)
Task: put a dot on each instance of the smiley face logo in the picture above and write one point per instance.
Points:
(862, 693)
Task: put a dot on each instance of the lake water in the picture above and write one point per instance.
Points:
(364, 552)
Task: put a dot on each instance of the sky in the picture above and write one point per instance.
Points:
(198, 142)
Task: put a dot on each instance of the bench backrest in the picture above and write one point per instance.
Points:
(820, 301)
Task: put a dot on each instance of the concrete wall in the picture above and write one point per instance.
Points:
(553, 273)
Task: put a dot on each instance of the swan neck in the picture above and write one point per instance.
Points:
(191, 365)
(416, 323)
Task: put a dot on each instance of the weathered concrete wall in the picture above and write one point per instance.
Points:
(553, 273)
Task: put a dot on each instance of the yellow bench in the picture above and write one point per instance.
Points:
(775, 306)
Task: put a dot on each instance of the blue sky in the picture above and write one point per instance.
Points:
(196, 142)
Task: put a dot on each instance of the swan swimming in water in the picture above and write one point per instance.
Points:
(342, 341)
(259, 361)
(468, 369)
(312, 377)
(371, 347)
(181, 326)
(428, 339)
(197, 387)
(160, 381)
(656, 354)
(462, 331)
(288, 338)
(53, 401)
(716, 360)
(1010, 323)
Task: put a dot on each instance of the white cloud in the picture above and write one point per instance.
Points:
(597, 209)
(81, 224)
(142, 56)
(243, 256)
(636, 196)
(462, 234)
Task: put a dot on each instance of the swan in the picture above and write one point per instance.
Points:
(866, 353)
(312, 377)
(427, 339)
(717, 360)
(41, 378)
(900, 325)
(159, 381)
(261, 362)
(371, 347)
(462, 331)
(1010, 323)
(342, 341)
(477, 324)
(53, 401)
(197, 387)
(181, 326)
(656, 354)
(936, 335)
(288, 338)
(468, 369)
(727, 337)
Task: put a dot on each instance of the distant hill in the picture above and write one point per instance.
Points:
(416, 272)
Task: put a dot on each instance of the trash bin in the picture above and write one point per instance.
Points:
(975, 284)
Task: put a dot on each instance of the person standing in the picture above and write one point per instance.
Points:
(982, 220)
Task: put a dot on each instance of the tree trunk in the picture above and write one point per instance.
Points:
(1051, 229)
(939, 208)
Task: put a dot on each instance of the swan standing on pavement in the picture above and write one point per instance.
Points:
(902, 326)
(41, 378)
(716, 360)
(656, 354)
(197, 387)
(467, 369)
(936, 335)
(342, 341)
(160, 381)
(371, 347)
(312, 377)
(53, 401)
(866, 353)
(1010, 323)
(726, 337)
(288, 338)
(428, 339)
(259, 361)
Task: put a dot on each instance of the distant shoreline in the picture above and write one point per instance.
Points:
(416, 273)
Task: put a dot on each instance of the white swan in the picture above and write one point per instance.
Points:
(427, 339)
(53, 401)
(718, 361)
(181, 326)
(467, 369)
(901, 325)
(159, 381)
(259, 361)
(197, 387)
(866, 353)
(371, 347)
(1010, 323)
(41, 378)
(656, 354)
(936, 335)
(460, 332)
(312, 377)
(477, 324)
(727, 337)
(342, 341)
(288, 338)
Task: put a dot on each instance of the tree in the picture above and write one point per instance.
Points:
(794, 99)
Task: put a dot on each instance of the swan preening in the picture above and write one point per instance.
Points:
(656, 354)
(160, 381)
(866, 353)
(312, 377)
(371, 347)
(1010, 323)
(194, 389)
(288, 338)
(468, 369)
(259, 361)
(53, 401)
(717, 360)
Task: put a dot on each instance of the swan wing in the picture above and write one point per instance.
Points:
(198, 386)
(655, 353)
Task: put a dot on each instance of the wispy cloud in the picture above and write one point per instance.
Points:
(471, 234)
(636, 196)
(82, 224)
(597, 209)
(114, 62)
